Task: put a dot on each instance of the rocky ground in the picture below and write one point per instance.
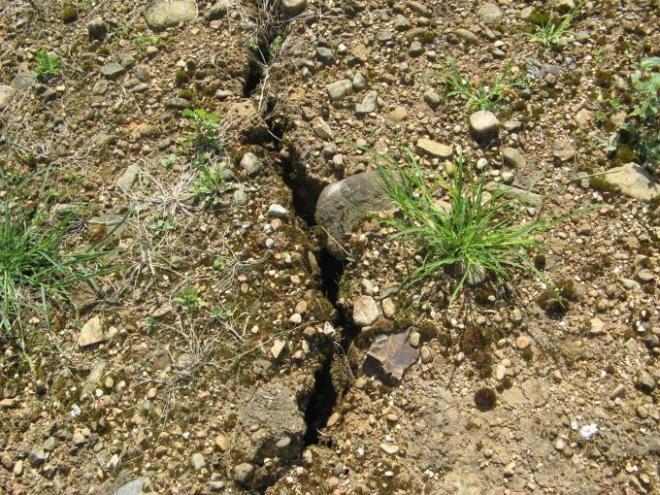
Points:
(254, 332)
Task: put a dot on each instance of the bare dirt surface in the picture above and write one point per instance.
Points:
(255, 333)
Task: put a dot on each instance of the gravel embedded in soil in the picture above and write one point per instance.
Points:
(234, 326)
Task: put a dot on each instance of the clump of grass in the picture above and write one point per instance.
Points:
(550, 32)
(48, 64)
(643, 122)
(37, 268)
(482, 97)
(480, 234)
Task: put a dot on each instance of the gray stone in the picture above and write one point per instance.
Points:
(401, 22)
(293, 7)
(632, 180)
(91, 333)
(490, 13)
(38, 456)
(513, 158)
(645, 382)
(112, 70)
(339, 89)
(97, 28)
(277, 211)
(243, 473)
(132, 487)
(522, 195)
(365, 311)
(126, 179)
(218, 10)
(432, 99)
(178, 103)
(322, 129)
(416, 49)
(563, 150)
(563, 6)
(250, 164)
(23, 80)
(6, 95)
(434, 149)
(359, 82)
(344, 204)
(325, 54)
(369, 104)
(197, 461)
(484, 125)
(162, 14)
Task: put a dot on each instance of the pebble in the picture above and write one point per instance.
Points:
(434, 149)
(560, 444)
(293, 7)
(388, 448)
(522, 342)
(645, 382)
(365, 311)
(112, 70)
(339, 89)
(484, 125)
(243, 473)
(91, 333)
(513, 158)
(389, 308)
(197, 461)
(596, 326)
(563, 150)
(322, 129)
(250, 164)
(426, 355)
(277, 211)
(432, 99)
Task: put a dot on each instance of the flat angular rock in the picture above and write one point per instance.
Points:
(322, 129)
(632, 180)
(344, 204)
(132, 487)
(434, 149)
(91, 333)
(6, 95)
(125, 180)
(563, 150)
(162, 14)
(527, 197)
(390, 356)
(112, 70)
(293, 7)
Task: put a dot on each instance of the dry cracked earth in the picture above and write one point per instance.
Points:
(253, 331)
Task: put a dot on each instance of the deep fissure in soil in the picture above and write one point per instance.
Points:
(304, 192)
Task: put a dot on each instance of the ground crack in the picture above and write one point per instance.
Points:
(305, 192)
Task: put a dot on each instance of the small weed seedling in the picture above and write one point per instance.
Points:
(206, 125)
(550, 32)
(479, 234)
(210, 183)
(483, 97)
(142, 41)
(48, 64)
(189, 299)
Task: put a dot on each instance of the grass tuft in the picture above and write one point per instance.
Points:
(478, 234)
(550, 32)
(36, 269)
